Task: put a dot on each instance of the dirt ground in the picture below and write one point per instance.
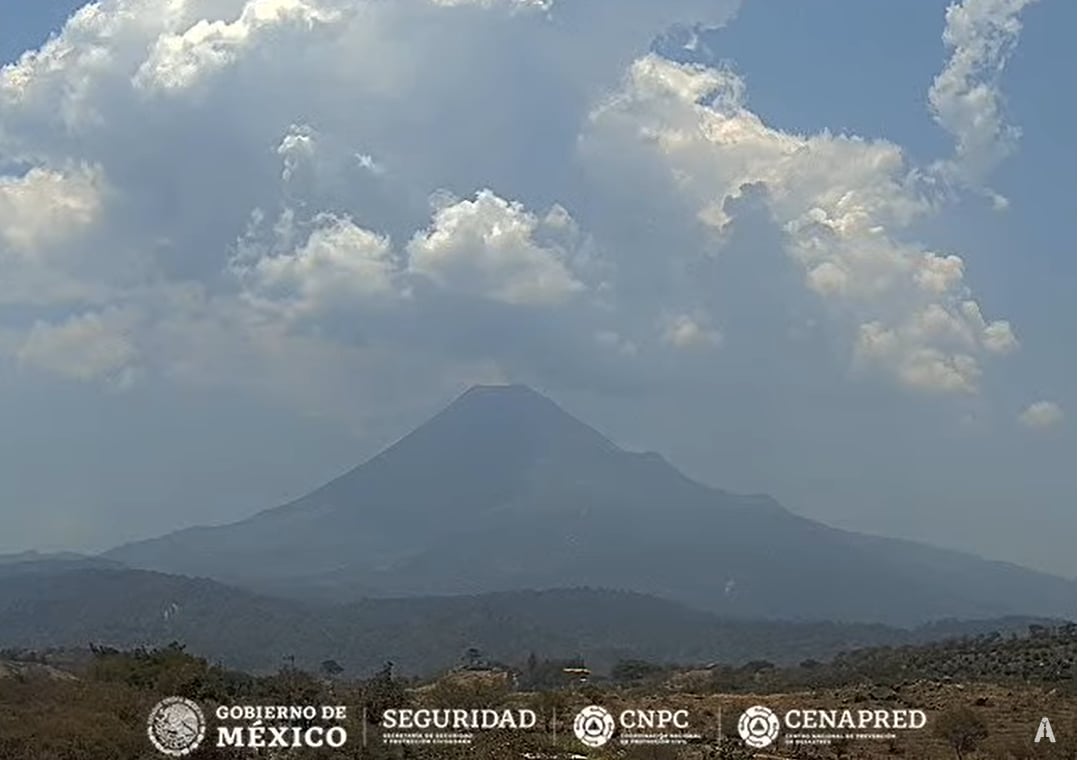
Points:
(1012, 715)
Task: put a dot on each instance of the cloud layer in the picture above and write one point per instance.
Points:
(842, 202)
(965, 97)
(359, 186)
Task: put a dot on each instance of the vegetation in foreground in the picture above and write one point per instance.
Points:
(985, 697)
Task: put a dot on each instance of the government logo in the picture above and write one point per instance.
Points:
(176, 726)
(758, 726)
(594, 726)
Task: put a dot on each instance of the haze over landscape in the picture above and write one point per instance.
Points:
(614, 365)
(503, 490)
(246, 245)
(446, 537)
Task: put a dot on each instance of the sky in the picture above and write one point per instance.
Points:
(819, 250)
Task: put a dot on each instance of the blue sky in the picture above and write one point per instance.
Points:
(249, 243)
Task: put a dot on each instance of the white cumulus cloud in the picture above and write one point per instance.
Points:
(1041, 414)
(90, 346)
(338, 264)
(44, 207)
(842, 201)
(690, 331)
(152, 136)
(489, 247)
(43, 214)
(180, 60)
(965, 97)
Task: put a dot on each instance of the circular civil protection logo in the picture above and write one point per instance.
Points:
(758, 726)
(593, 726)
(176, 726)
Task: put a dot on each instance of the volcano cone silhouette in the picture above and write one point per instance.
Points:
(504, 490)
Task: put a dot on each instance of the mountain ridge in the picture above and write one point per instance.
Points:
(72, 605)
(503, 490)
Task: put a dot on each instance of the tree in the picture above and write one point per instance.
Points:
(962, 728)
(383, 692)
(634, 670)
(473, 658)
(331, 668)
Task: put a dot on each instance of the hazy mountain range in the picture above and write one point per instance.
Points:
(503, 491)
(71, 604)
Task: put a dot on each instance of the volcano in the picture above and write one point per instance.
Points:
(503, 490)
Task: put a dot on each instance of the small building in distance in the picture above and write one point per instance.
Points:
(578, 674)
